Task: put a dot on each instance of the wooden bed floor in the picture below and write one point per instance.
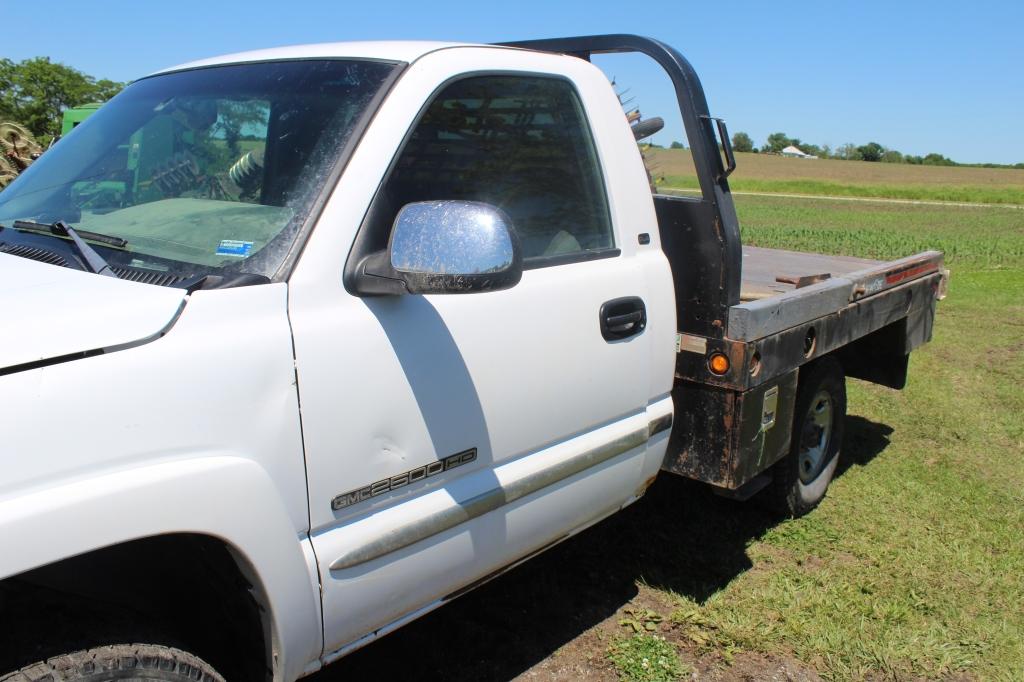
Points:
(762, 269)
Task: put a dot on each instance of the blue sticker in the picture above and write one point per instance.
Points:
(233, 247)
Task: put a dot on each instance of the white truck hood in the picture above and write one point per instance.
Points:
(51, 311)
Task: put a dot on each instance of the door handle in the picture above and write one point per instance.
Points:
(621, 318)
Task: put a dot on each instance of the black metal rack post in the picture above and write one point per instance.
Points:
(701, 237)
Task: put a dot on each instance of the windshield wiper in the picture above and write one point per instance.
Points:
(93, 260)
(107, 239)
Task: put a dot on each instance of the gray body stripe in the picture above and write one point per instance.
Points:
(659, 424)
(438, 522)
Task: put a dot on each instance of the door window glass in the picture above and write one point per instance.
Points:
(519, 143)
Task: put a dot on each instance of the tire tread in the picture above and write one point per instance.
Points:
(89, 665)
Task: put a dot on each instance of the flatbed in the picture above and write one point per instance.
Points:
(779, 311)
(781, 289)
(774, 272)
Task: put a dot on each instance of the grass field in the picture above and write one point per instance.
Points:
(912, 567)
(915, 564)
(825, 177)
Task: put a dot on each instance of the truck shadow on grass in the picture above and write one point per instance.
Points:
(679, 537)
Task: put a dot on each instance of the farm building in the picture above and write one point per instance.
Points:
(796, 152)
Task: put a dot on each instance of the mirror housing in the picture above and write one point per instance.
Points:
(445, 247)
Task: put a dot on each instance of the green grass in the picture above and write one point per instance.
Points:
(646, 658)
(913, 566)
(970, 237)
(954, 193)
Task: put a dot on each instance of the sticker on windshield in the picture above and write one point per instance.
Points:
(232, 247)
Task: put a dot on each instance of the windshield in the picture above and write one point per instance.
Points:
(201, 170)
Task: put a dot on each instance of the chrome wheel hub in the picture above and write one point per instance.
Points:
(815, 437)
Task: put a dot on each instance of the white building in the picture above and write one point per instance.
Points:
(797, 153)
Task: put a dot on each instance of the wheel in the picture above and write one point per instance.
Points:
(121, 662)
(800, 479)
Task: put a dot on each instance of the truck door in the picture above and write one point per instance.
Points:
(449, 436)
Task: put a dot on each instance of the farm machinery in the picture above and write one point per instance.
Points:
(18, 149)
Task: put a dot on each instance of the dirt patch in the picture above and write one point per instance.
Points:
(583, 658)
(753, 666)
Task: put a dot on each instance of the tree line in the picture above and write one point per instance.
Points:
(35, 92)
(872, 151)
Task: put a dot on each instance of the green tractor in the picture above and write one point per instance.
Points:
(89, 193)
(75, 115)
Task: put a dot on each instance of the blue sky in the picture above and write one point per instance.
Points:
(920, 77)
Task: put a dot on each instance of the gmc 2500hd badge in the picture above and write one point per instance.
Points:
(417, 474)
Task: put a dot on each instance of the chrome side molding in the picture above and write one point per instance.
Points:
(438, 522)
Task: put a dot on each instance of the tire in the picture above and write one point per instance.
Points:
(801, 477)
(121, 662)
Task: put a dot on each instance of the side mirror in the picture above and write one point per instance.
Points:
(446, 247)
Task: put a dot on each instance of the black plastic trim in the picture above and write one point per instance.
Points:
(622, 318)
(723, 136)
(35, 253)
(209, 282)
(46, 362)
(566, 259)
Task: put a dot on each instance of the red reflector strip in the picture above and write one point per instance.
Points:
(913, 271)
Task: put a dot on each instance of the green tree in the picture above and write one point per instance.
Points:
(935, 159)
(812, 149)
(35, 93)
(892, 156)
(848, 152)
(741, 142)
(777, 142)
(677, 145)
(7, 68)
(872, 151)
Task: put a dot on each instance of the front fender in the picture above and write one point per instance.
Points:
(196, 431)
(228, 497)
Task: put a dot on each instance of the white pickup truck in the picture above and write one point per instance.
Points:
(246, 429)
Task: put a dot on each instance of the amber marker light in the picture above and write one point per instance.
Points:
(718, 363)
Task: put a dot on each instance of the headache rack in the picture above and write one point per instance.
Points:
(768, 311)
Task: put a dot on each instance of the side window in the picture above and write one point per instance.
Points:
(520, 143)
